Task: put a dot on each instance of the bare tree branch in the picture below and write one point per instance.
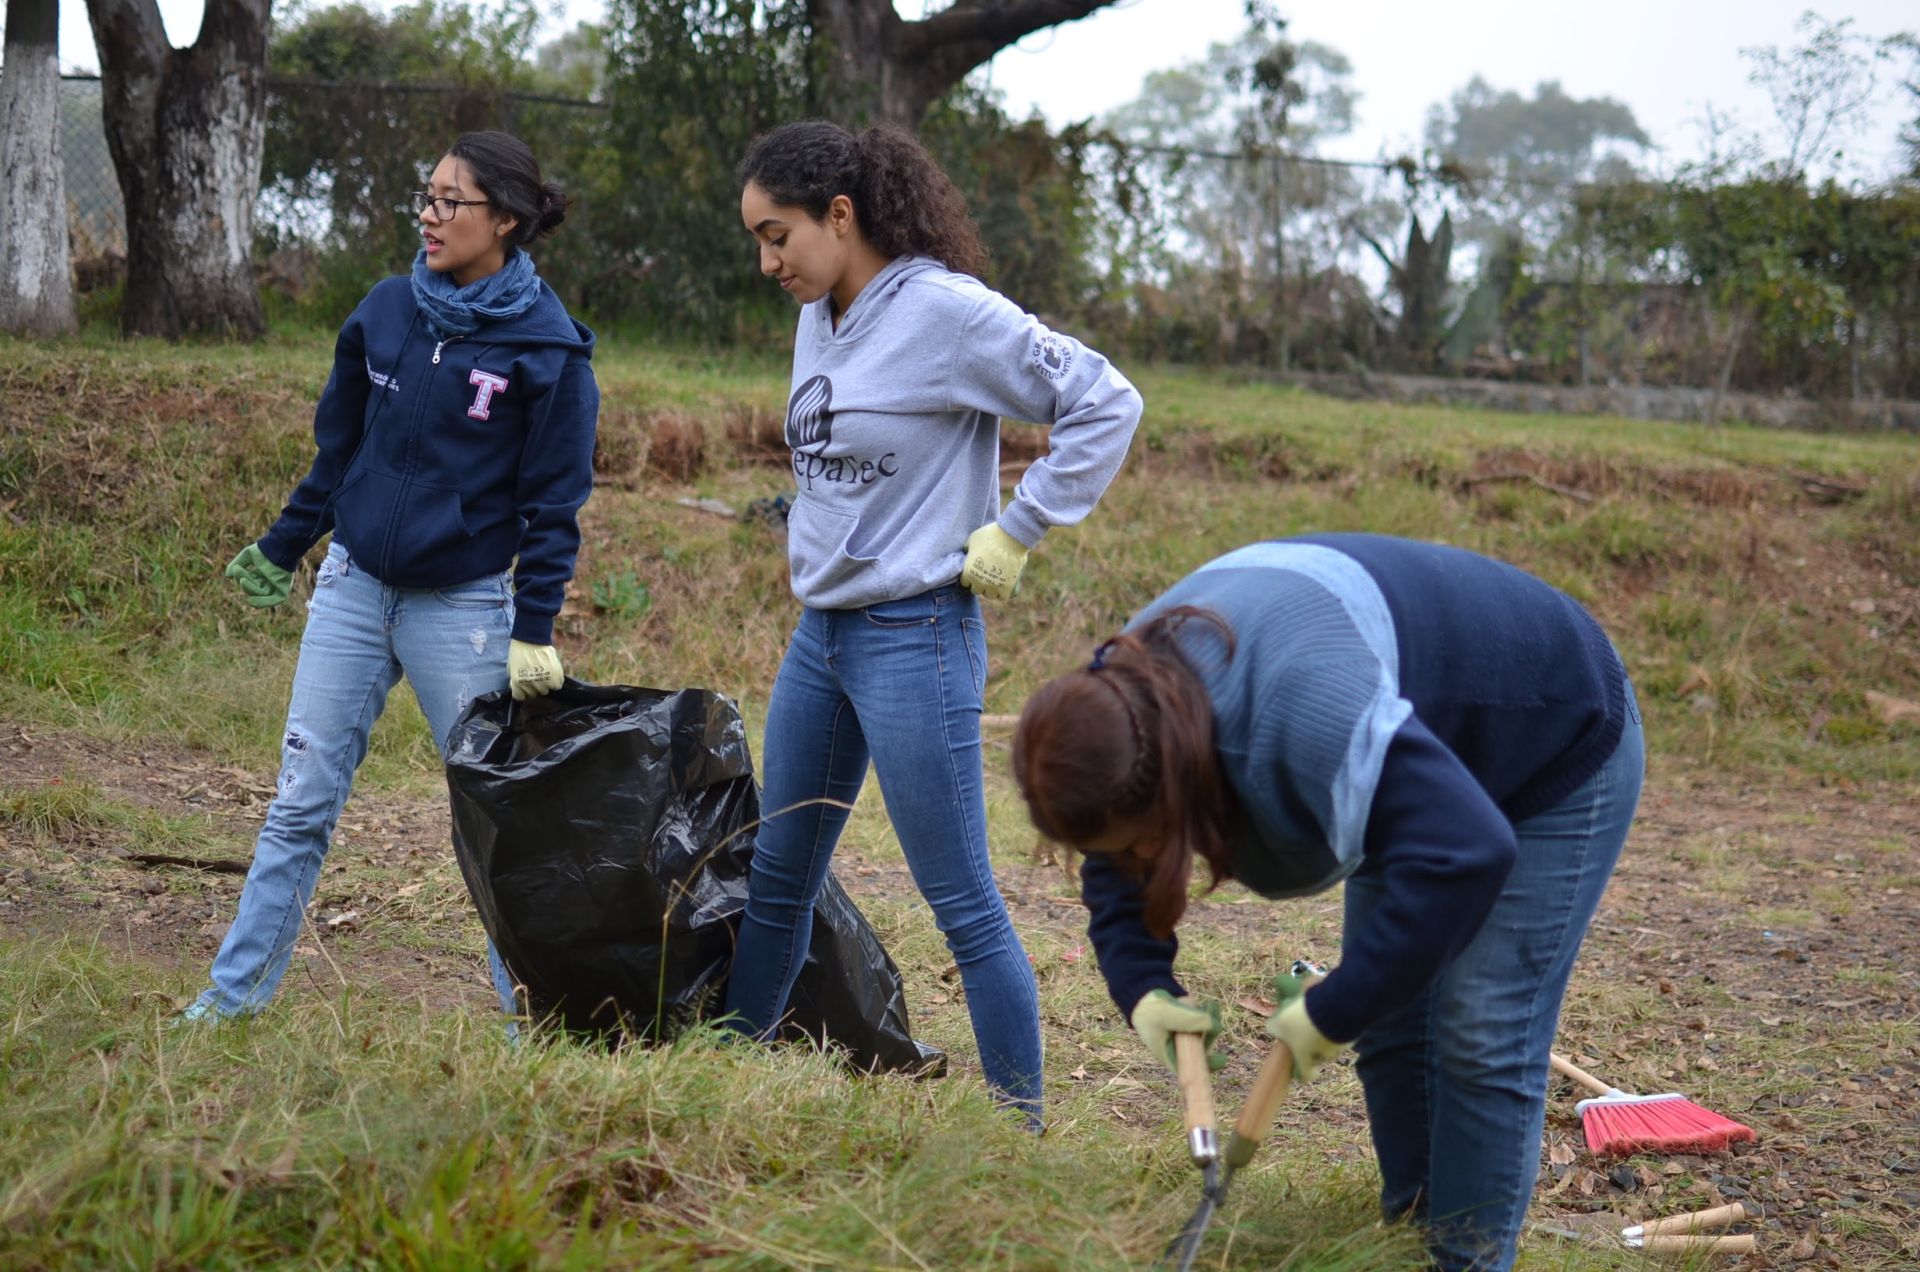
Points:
(885, 67)
(995, 22)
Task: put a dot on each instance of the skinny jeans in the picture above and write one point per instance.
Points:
(899, 684)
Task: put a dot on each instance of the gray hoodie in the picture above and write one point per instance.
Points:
(894, 422)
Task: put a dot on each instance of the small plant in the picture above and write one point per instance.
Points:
(622, 596)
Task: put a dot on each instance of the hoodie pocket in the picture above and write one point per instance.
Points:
(817, 539)
(431, 520)
(390, 523)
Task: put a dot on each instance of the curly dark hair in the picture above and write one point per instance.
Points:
(903, 203)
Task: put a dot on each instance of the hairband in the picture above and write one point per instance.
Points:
(1141, 775)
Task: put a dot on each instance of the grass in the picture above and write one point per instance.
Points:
(146, 467)
(365, 1132)
(71, 808)
(356, 1126)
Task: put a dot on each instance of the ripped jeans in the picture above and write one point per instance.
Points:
(362, 636)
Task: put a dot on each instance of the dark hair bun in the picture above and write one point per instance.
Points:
(510, 177)
(553, 209)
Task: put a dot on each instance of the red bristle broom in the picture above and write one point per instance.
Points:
(1618, 1123)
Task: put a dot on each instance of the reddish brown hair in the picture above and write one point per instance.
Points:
(1132, 736)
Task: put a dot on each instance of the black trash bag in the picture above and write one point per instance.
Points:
(605, 833)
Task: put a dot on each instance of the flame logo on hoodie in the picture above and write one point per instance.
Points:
(810, 414)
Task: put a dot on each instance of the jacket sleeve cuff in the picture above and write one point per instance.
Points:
(1023, 525)
(280, 552)
(1323, 1009)
(1141, 989)
(534, 629)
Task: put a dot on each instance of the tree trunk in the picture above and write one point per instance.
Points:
(36, 281)
(186, 128)
(878, 66)
(1736, 328)
(1283, 309)
(1856, 331)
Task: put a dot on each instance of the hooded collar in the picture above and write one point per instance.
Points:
(871, 305)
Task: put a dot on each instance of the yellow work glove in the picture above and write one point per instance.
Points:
(532, 670)
(265, 583)
(1293, 1026)
(994, 561)
(1159, 1016)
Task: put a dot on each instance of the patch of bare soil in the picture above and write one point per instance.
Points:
(1745, 910)
(1737, 910)
(96, 886)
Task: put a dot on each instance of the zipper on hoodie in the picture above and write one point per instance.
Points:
(406, 478)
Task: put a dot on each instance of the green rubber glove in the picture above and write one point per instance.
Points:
(1159, 1016)
(1292, 1025)
(994, 561)
(532, 670)
(1288, 986)
(265, 583)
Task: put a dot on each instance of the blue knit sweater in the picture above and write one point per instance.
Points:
(1391, 704)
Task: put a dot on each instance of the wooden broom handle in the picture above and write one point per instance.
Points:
(1718, 1217)
(1196, 1085)
(1566, 1067)
(1742, 1244)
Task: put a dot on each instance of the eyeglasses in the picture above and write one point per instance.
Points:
(444, 207)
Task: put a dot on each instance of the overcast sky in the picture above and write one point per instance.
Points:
(1669, 60)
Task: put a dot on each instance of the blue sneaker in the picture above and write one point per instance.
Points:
(198, 1012)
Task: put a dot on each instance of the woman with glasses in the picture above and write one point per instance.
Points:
(454, 439)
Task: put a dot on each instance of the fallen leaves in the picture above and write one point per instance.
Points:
(1892, 710)
(236, 1171)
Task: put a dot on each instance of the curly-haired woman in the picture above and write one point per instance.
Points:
(903, 365)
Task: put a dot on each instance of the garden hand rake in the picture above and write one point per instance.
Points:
(1203, 1145)
(1269, 1088)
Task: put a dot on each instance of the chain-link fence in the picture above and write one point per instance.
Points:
(96, 218)
(1246, 257)
(340, 162)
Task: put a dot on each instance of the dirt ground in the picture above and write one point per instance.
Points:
(1738, 915)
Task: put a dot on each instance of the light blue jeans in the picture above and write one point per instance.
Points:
(900, 682)
(1456, 1082)
(362, 636)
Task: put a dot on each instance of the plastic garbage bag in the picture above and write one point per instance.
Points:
(605, 833)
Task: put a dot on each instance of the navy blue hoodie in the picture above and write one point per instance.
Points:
(1389, 705)
(441, 461)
